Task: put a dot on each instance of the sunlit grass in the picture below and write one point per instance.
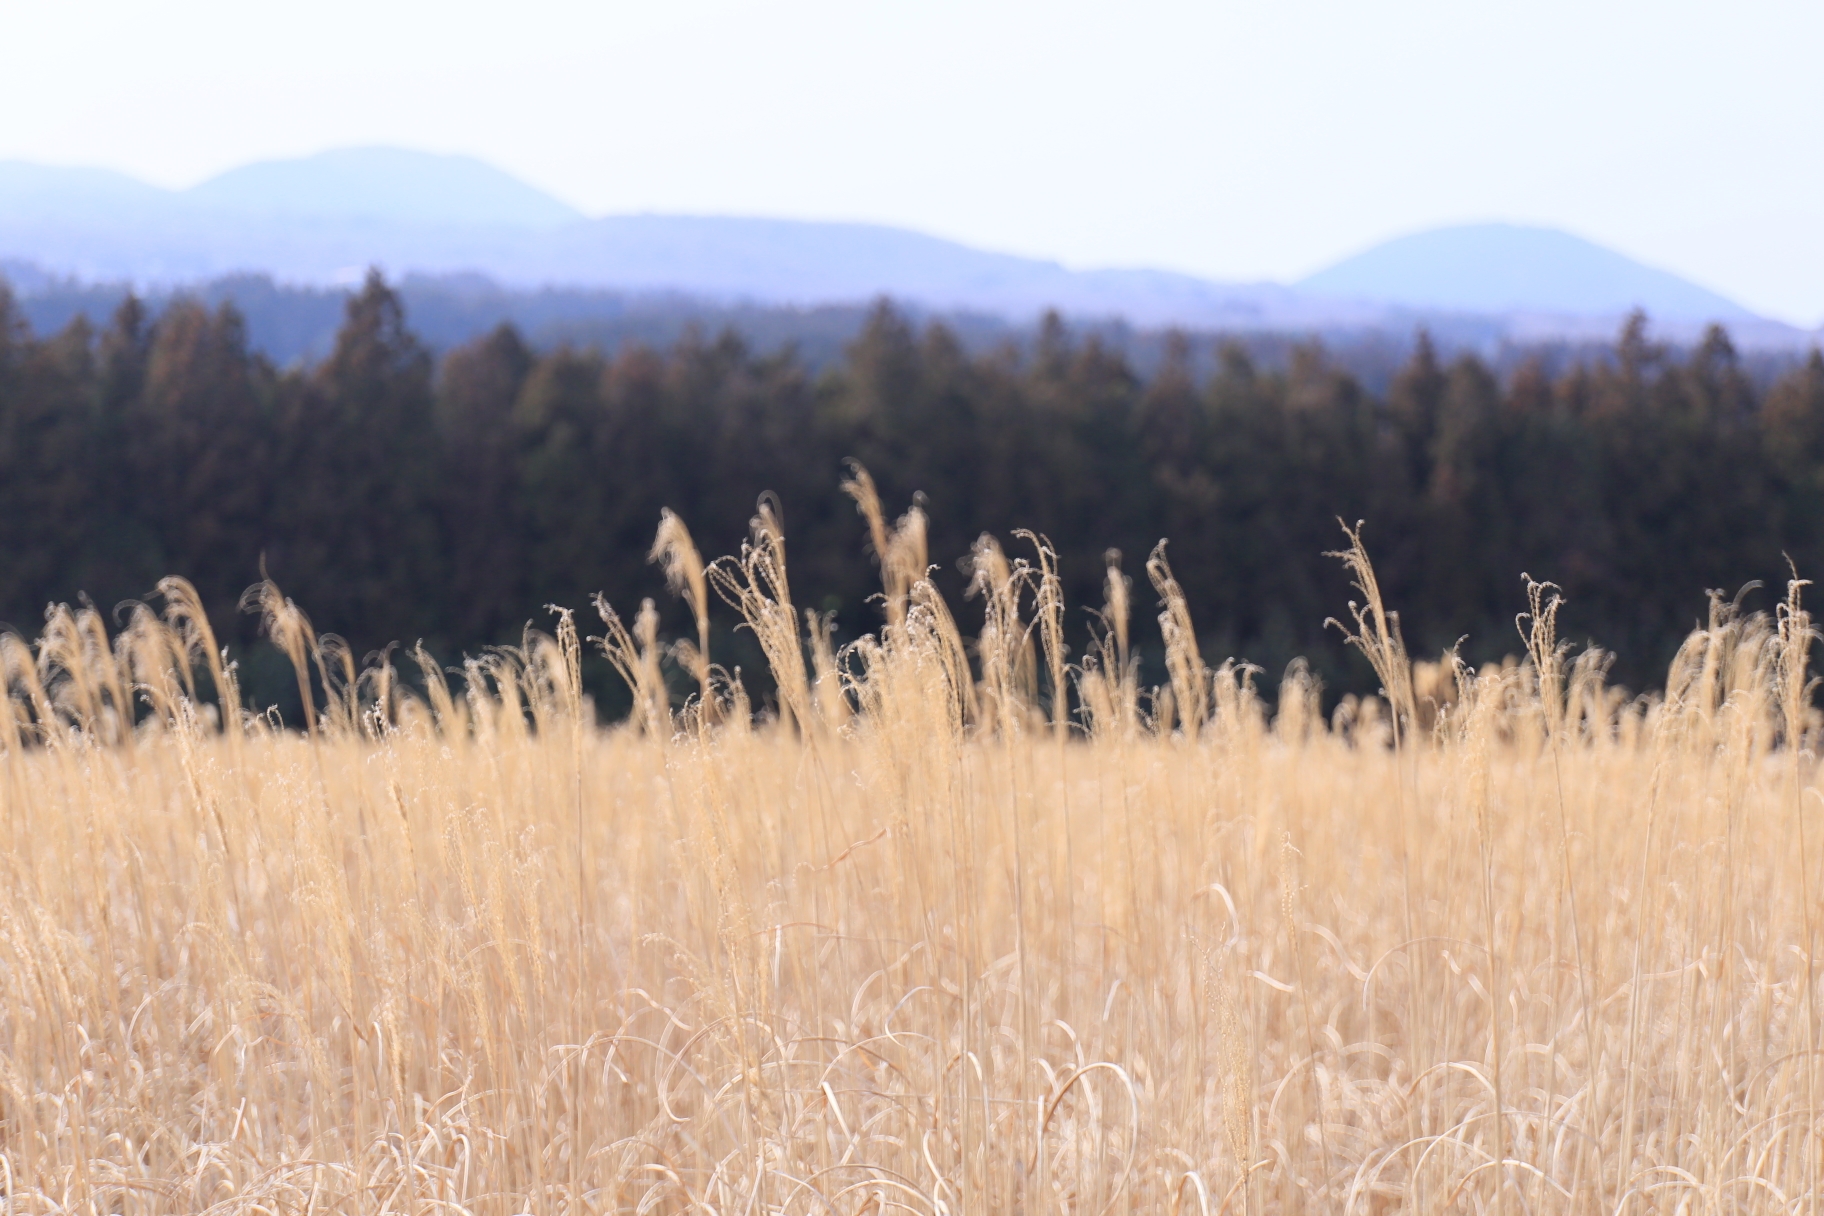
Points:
(917, 938)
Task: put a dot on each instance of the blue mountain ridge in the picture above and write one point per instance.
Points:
(384, 184)
(323, 219)
(1505, 268)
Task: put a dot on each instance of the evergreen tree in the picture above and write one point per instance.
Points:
(482, 529)
(397, 505)
(198, 435)
(356, 536)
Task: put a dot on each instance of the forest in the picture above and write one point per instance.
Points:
(400, 497)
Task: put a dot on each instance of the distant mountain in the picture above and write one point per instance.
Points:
(35, 192)
(803, 263)
(1507, 268)
(323, 220)
(390, 184)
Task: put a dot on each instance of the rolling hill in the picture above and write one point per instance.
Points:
(384, 184)
(322, 220)
(1508, 268)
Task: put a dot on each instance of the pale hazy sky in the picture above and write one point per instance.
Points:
(1238, 141)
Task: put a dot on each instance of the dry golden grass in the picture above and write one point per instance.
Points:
(916, 942)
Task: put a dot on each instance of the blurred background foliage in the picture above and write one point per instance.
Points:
(398, 497)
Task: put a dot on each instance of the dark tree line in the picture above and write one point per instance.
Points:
(397, 497)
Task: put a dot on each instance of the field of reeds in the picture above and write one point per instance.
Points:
(944, 926)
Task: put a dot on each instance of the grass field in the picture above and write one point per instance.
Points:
(1499, 940)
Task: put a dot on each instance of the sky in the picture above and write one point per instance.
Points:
(1237, 141)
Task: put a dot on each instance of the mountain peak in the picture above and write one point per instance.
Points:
(1509, 268)
(379, 183)
(28, 189)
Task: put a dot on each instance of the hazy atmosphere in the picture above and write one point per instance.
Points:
(734, 609)
(1235, 142)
